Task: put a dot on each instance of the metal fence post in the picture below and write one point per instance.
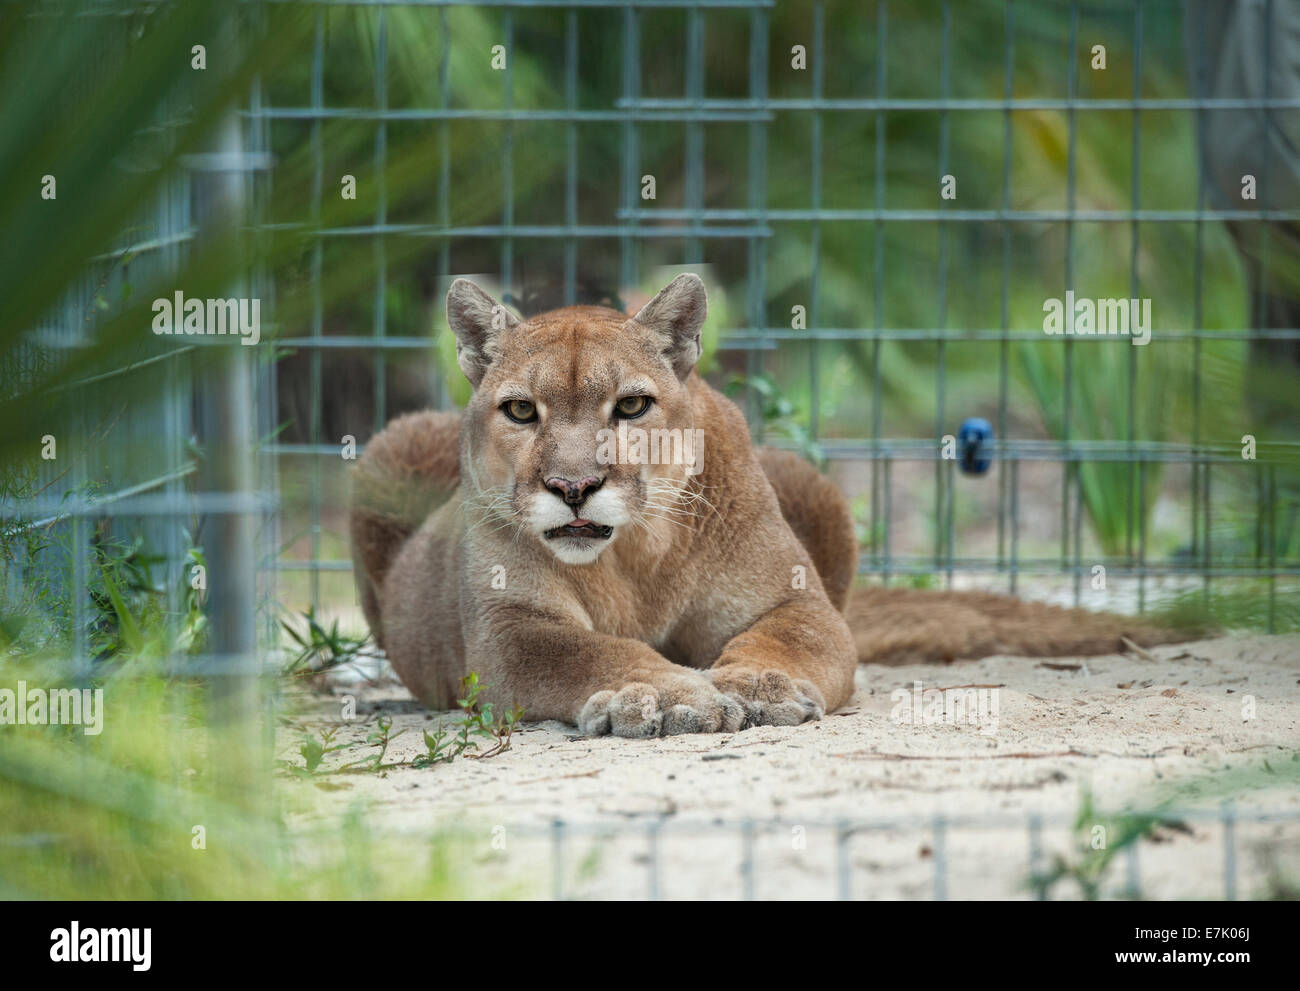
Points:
(225, 401)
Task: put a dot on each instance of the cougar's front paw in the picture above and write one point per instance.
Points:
(770, 698)
(687, 705)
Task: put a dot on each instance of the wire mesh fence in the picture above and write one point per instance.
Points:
(1132, 455)
(124, 461)
(1223, 854)
(907, 481)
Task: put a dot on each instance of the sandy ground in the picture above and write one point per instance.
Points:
(863, 803)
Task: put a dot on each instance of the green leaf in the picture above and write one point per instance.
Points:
(131, 635)
(312, 754)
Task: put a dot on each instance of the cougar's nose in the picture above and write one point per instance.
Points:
(574, 492)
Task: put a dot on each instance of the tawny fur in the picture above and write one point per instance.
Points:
(820, 517)
(906, 626)
(411, 467)
(694, 620)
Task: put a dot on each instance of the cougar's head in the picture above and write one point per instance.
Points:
(580, 425)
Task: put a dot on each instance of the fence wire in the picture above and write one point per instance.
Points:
(1215, 473)
(1260, 494)
(1041, 855)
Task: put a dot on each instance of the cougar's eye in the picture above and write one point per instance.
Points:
(630, 407)
(519, 410)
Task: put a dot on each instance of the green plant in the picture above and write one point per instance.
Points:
(780, 416)
(313, 753)
(441, 748)
(1110, 490)
(381, 736)
(194, 625)
(478, 722)
(1248, 605)
(120, 815)
(320, 649)
(123, 601)
(1099, 839)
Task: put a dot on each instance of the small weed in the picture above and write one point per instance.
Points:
(441, 749)
(1100, 840)
(313, 752)
(478, 722)
(194, 626)
(381, 736)
(319, 649)
(780, 416)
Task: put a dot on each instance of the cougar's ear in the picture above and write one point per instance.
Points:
(478, 321)
(676, 315)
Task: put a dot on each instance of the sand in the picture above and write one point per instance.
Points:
(863, 805)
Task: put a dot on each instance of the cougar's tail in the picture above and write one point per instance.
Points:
(409, 469)
(904, 625)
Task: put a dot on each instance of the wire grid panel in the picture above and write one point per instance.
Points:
(121, 462)
(1216, 475)
(128, 477)
(1224, 853)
